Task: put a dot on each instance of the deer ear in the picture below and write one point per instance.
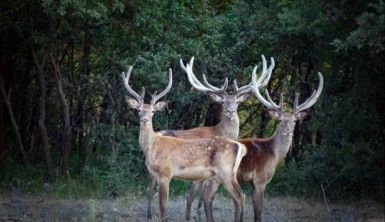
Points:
(302, 115)
(215, 97)
(133, 103)
(159, 106)
(243, 97)
(273, 114)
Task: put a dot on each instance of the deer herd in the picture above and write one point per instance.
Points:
(210, 156)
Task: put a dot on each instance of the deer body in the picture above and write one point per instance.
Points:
(263, 155)
(259, 164)
(191, 159)
(227, 127)
(229, 121)
(197, 159)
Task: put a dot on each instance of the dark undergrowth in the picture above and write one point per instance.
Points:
(111, 177)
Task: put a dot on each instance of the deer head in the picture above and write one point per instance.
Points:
(287, 118)
(228, 101)
(146, 111)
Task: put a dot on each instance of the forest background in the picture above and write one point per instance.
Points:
(65, 129)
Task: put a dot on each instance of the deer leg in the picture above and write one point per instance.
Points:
(194, 191)
(208, 197)
(163, 184)
(238, 197)
(258, 193)
(200, 198)
(150, 193)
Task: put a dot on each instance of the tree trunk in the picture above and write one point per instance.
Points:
(6, 99)
(2, 135)
(42, 117)
(112, 120)
(66, 143)
(262, 124)
(82, 146)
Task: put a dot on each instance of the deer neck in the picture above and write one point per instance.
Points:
(227, 127)
(146, 136)
(282, 140)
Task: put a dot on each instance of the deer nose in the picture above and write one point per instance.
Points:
(231, 114)
(229, 110)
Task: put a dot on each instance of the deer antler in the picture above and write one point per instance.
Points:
(312, 99)
(156, 97)
(206, 87)
(270, 104)
(126, 78)
(262, 81)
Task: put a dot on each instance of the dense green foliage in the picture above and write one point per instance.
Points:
(340, 146)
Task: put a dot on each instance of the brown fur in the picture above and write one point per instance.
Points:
(195, 160)
(169, 133)
(187, 153)
(199, 132)
(259, 152)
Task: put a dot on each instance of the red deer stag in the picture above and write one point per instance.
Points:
(229, 121)
(196, 159)
(263, 155)
(228, 125)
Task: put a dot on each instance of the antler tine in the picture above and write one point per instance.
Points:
(268, 73)
(194, 81)
(264, 64)
(194, 78)
(313, 98)
(246, 87)
(153, 97)
(310, 98)
(126, 78)
(164, 92)
(213, 88)
(225, 85)
(256, 84)
(242, 90)
(235, 85)
(263, 74)
(143, 93)
(296, 101)
(271, 101)
(281, 102)
(254, 73)
(261, 99)
(263, 80)
(191, 76)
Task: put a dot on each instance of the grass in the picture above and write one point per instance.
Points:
(95, 182)
(112, 177)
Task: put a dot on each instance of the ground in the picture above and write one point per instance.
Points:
(36, 208)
